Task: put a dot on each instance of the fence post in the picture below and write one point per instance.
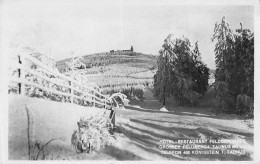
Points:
(21, 86)
(71, 92)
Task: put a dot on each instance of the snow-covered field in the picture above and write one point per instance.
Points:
(140, 128)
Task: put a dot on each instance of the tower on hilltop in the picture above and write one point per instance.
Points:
(132, 49)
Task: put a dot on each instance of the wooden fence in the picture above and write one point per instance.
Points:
(92, 94)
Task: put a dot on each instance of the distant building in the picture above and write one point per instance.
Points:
(131, 50)
(123, 51)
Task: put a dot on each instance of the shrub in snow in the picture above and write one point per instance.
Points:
(92, 134)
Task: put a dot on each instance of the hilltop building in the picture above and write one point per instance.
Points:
(123, 51)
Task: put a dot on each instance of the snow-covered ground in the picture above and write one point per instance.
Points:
(139, 130)
(147, 125)
(47, 120)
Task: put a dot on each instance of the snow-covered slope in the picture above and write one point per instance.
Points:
(47, 120)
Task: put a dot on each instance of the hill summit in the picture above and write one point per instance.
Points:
(122, 71)
(128, 57)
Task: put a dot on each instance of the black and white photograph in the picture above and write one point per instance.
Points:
(128, 80)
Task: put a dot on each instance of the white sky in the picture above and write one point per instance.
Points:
(58, 28)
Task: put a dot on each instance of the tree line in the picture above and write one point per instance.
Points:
(182, 74)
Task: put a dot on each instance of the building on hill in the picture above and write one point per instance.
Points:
(123, 51)
(131, 50)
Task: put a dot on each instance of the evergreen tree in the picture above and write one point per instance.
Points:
(162, 78)
(179, 72)
(234, 56)
(200, 73)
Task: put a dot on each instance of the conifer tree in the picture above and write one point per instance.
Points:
(234, 56)
(179, 71)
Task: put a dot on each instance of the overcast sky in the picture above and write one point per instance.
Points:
(58, 28)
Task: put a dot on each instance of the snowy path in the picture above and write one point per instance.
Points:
(144, 126)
